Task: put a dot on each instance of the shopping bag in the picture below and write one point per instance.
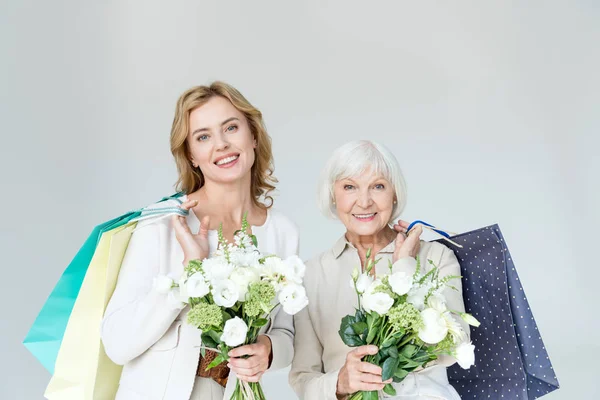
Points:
(45, 335)
(83, 371)
(511, 361)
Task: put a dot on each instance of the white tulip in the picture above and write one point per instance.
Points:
(362, 283)
(234, 332)
(469, 319)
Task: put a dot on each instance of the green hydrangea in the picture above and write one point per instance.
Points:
(260, 296)
(406, 317)
(447, 345)
(204, 315)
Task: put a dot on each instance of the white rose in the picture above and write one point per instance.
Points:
(243, 277)
(455, 329)
(465, 355)
(197, 286)
(437, 302)
(273, 266)
(225, 293)
(293, 298)
(295, 269)
(401, 282)
(216, 269)
(245, 259)
(416, 297)
(362, 283)
(175, 299)
(434, 328)
(162, 284)
(378, 302)
(234, 332)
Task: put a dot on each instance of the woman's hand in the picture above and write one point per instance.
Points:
(407, 245)
(251, 369)
(195, 247)
(357, 375)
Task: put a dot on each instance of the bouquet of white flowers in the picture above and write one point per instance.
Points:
(232, 294)
(407, 319)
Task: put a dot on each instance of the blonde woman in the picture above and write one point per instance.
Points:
(223, 156)
(363, 187)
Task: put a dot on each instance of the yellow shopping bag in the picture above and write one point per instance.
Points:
(83, 371)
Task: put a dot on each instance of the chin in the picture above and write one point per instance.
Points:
(363, 229)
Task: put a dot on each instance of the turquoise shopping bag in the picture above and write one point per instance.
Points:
(45, 335)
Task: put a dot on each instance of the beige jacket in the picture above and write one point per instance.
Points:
(319, 350)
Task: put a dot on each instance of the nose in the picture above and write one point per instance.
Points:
(221, 142)
(364, 199)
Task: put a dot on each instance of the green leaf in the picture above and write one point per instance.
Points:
(218, 360)
(409, 350)
(391, 341)
(373, 322)
(359, 327)
(215, 335)
(389, 389)
(393, 352)
(260, 322)
(208, 341)
(389, 368)
(254, 240)
(372, 395)
(360, 316)
(400, 374)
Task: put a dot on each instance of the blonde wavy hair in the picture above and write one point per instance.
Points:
(190, 178)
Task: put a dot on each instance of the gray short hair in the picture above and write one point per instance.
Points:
(351, 160)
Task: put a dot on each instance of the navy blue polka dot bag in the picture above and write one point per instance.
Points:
(511, 361)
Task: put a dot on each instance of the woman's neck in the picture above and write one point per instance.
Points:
(374, 242)
(226, 204)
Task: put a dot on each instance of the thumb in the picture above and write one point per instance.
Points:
(204, 225)
(362, 351)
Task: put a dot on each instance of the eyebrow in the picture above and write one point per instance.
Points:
(228, 120)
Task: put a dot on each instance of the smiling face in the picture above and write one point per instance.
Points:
(220, 141)
(364, 203)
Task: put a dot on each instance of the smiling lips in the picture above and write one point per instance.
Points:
(227, 161)
(364, 217)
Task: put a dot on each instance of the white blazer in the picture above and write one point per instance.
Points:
(141, 331)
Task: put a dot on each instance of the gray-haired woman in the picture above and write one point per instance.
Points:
(362, 185)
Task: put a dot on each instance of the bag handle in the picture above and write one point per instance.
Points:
(146, 213)
(444, 233)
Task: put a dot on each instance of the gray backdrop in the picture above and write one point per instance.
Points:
(490, 107)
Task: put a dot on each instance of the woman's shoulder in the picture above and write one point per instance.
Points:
(281, 222)
(434, 251)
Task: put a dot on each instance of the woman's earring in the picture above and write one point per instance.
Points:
(395, 201)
